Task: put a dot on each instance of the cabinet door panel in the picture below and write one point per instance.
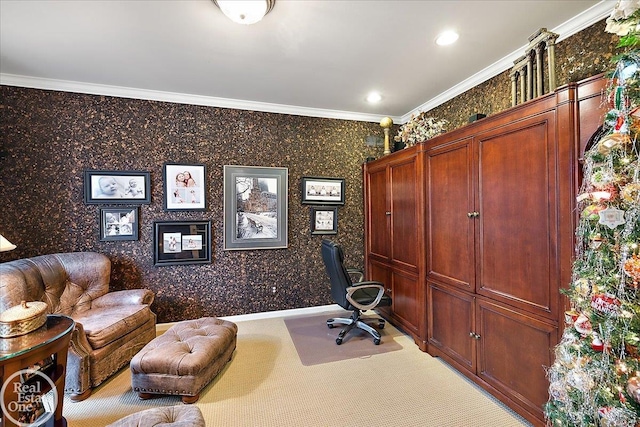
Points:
(406, 301)
(450, 232)
(378, 220)
(514, 349)
(517, 222)
(405, 199)
(451, 316)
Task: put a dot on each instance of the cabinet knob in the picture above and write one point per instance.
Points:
(473, 214)
(388, 213)
(474, 335)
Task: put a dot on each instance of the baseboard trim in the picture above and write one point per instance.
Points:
(162, 327)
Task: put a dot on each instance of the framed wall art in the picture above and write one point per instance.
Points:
(184, 187)
(117, 187)
(255, 207)
(324, 220)
(181, 242)
(118, 224)
(322, 190)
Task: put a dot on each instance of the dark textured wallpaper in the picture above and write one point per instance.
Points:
(49, 138)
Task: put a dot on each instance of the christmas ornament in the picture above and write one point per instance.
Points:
(596, 241)
(591, 212)
(596, 343)
(616, 139)
(611, 217)
(630, 193)
(605, 303)
(570, 316)
(632, 269)
(583, 325)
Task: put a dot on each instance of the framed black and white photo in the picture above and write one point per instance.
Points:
(117, 187)
(324, 220)
(118, 224)
(181, 242)
(184, 187)
(255, 207)
(322, 191)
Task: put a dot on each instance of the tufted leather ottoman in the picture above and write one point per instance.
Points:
(184, 359)
(176, 416)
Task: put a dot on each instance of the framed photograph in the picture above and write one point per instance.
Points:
(322, 191)
(255, 207)
(118, 224)
(184, 187)
(324, 220)
(181, 242)
(117, 187)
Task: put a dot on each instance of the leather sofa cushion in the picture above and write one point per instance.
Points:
(106, 324)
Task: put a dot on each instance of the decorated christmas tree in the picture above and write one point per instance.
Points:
(595, 379)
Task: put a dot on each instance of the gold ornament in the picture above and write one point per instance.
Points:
(633, 388)
(632, 268)
(630, 192)
(611, 141)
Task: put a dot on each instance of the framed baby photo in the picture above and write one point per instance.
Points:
(324, 220)
(184, 187)
(117, 187)
(322, 191)
(118, 224)
(181, 242)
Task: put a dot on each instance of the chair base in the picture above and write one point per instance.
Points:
(355, 322)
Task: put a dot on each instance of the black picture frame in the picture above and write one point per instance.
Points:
(118, 224)
(117, 187)
(324, 220)
(181, 242)
(255, 207)
(188, 194)
(318, 190)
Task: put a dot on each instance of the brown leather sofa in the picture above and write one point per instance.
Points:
(111, 327)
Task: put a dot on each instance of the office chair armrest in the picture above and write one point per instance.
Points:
(356, 273)
(367, 284)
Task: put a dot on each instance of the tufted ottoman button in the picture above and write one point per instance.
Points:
(184, 359)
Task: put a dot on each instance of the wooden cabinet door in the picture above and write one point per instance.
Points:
(405, 200)
(407, 301)
(450, 229)
(451, 321)
(378, 212)
(517, 227)
(513, 350)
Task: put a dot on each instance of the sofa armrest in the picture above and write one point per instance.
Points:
(126, 297)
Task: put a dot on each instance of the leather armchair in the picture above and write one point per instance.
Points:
(111, 327)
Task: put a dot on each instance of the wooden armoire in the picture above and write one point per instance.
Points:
(473, 234)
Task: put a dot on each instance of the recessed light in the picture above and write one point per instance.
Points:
(447, 38)
(374, 97)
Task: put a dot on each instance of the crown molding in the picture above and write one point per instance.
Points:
(576, 24)
(567, 29)
(180, 98)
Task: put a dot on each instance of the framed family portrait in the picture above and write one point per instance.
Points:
(118, 224)
(255, 207)
(324, 220)
(184, 187)
(117, 187)
(181, 242)
(322, 191)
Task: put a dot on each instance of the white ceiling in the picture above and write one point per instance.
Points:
(315, 58)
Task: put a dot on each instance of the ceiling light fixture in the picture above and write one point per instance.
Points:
(245, 11)
(374, 97)
(447, 38)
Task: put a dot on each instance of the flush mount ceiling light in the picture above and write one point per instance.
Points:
(447, 38)
(374, 97)
(245, 11)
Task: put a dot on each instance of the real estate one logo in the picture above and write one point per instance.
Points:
(31, 406)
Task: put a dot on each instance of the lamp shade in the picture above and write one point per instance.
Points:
(245, 11)
(6, 245)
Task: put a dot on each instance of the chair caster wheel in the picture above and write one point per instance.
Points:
(376, 341)
(338, 341)
(381, 325)
(330, 326)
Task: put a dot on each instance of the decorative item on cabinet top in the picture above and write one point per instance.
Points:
(420, 128)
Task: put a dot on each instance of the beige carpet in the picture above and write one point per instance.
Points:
(315, 343)
(265, 384)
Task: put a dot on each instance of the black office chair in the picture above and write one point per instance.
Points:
(357, 296)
